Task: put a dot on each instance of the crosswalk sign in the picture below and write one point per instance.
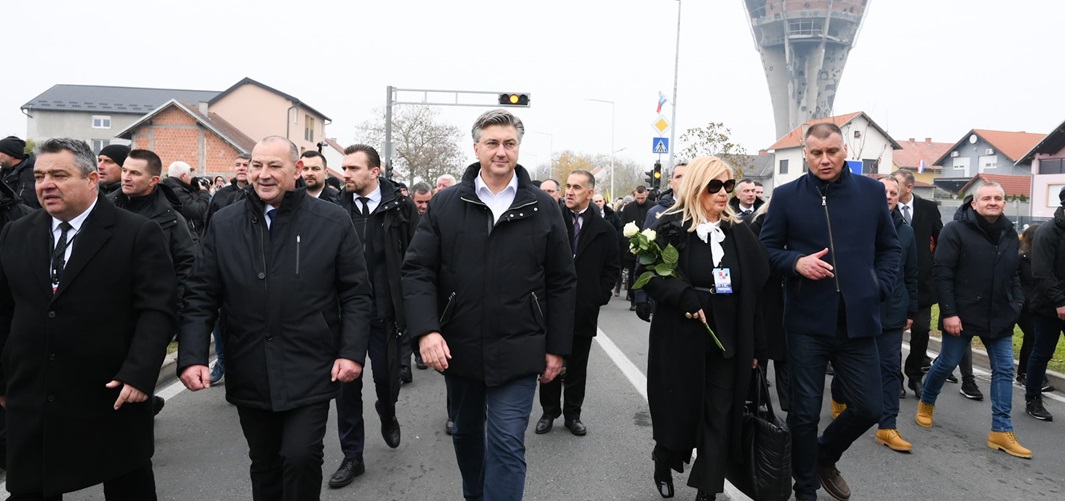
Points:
(660, 145)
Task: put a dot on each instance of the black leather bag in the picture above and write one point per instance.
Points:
(765, 471)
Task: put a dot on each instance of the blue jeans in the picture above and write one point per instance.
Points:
(1047, 332)
(999, 352)
(857, 366)
(493, 463)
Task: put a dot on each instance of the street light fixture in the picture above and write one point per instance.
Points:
(611, 103)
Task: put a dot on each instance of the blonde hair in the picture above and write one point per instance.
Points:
(699, 174)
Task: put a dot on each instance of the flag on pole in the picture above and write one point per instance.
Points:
(661, 101)
(920, 167)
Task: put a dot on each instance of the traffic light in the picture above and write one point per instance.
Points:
(514, 99)
(656, 176)
(650, 179)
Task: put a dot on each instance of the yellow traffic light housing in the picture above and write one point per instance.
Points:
(514, 99)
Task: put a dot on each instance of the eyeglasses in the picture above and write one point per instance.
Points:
(716, 185)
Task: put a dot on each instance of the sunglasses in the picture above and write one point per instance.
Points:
(716, 184)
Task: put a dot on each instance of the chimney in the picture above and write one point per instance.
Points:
(762, 153)
(928, 140)
(911, 139)
(203, 107)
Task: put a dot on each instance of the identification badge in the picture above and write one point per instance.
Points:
(723, 281)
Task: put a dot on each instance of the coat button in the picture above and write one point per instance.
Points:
(51, 314)
(262, 275)
(51, 356)
(51, 398)
(269, 337)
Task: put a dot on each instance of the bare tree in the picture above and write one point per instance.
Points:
(715, 139)
(425, 148)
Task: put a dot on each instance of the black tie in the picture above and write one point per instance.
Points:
(270, 215)
(59, 256)
(747, 213)
(365, 206)
(576, 230)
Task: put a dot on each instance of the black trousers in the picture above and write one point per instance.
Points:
(575, 380)
(384, 357)
(286, 451)
(918, 344)
(137, 485)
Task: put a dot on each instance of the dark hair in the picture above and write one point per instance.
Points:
(216, 178)
(84, 158)
(245, 156)
(640, 189)
(823, 130)
(155, 164)
(421, 188)
(1027, 235)
(315, 154)
(332, 181)
(906, 175)
(591, 178)
(758, 183)
(371, 153)
(553, 180)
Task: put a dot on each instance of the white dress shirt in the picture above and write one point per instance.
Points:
(498, 203)
(75, 225)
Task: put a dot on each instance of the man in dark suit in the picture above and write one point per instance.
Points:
(595, 256)
(87, 296)
(923, 215)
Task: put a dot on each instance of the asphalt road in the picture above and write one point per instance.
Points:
(201, 453)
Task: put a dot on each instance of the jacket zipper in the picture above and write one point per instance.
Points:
(831, 242)
(297, 257)
(536, 300)
(446, 307)
(262, 249)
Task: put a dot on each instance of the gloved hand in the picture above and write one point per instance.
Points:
(689, 302)
(643, 310)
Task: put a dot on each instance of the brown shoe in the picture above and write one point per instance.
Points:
(1006, 441)
(924, 414)
(833, 483)
(893, 440)
(837, 409)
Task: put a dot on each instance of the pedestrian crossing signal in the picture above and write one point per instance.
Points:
(514, 99)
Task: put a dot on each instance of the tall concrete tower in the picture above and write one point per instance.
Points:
(804, 46)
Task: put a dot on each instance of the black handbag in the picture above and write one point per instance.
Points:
(765, 469)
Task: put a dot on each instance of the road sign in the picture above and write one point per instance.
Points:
(660, 145)
(661, 124)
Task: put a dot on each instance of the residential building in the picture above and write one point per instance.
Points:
(866, 142)
(982, 151)
(919, 157)
(1018, 190)
(260, 110)
(1047, 163)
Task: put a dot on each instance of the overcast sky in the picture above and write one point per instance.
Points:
(920, 68)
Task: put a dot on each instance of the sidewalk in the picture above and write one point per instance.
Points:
(1056, 379)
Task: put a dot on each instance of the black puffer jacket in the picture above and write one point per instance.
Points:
(501, 293)
(1048, 266)
(976, 277)
(20, 179)
(297, 297)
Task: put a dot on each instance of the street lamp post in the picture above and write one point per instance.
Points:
(676, 72)
(611, 140)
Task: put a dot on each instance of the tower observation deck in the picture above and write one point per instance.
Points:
(804, 46)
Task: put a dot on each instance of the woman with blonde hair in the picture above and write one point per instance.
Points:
(696, 390)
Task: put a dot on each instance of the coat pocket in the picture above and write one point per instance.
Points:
(538, 312)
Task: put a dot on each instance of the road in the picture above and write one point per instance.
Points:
(201, 453)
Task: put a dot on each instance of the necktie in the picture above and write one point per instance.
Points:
(576, 231)
(746, 212)
(906, 213)
(365, 206)
(270, 215)
(59, 256)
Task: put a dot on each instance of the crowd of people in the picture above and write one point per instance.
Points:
(495, 280)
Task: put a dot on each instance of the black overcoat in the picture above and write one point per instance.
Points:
(597, 265)
(110, 318)
(676, 353)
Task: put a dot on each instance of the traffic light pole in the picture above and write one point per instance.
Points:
(676, 72)
(393, 100)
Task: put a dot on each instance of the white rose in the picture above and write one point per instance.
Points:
(630, 230)
(650, 234)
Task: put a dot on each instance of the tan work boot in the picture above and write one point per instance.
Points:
(924, 414)
(1006, 441)
(837, 409)
(893, 440)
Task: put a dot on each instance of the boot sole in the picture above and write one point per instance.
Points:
(922, 425)
(896, 449)
(1047, 418)
(1007, 451)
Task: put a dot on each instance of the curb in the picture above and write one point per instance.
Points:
(1057, 379)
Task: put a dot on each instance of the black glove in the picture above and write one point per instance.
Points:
(643, 310)
(689, 302)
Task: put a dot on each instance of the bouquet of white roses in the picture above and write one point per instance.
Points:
(656, 261)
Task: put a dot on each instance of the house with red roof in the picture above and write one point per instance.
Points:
(983, 151)
(919, 157)
(866, 142)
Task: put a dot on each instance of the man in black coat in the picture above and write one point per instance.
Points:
(289, 269)
(315, 172)
(16, 170)
(488, 288)
(923, 216)
(385, 221)
(746, 202)
(634, 212)
(87, 296)
(595, 257)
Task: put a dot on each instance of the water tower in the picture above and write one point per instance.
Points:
(804, 46)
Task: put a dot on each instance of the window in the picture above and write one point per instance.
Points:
(988, 162)
(101, 122)
(783, 166)
(99, 144)
(869, 166)
(1052, 166)
(308, 128)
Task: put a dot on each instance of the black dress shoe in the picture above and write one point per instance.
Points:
(576, 427)
(545, 424)
(705, 496)
(349, 469)
(663, 478)
(405, 376)
(157, 404)
(390, 432)
(951, 378)
(449, 427)
(916, 386)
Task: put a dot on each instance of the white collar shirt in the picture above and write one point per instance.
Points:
(498, 203)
